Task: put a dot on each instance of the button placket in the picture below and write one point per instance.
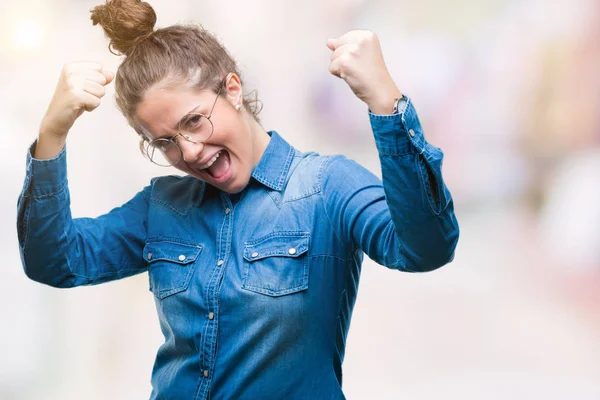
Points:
(223, 250)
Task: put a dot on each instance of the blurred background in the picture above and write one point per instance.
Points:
(510, 90)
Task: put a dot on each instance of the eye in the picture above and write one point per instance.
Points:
(193, 122)
(163, 144)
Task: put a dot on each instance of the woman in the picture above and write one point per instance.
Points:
(253, 257)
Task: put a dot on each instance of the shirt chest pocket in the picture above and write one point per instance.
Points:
(277, 264)
(170, 266)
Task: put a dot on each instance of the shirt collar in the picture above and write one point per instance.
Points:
(272, 168)
(274, 165)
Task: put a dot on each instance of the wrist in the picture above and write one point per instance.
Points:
(49, 131)
(49, 145)
(384, 103)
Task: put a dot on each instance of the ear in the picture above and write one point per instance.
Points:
(233, 87)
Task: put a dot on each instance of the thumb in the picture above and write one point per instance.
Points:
(109, 75)
(332, 44)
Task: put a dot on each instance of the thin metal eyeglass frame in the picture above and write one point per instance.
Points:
(173, 139)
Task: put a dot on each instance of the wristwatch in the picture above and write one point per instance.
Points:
(400, 105)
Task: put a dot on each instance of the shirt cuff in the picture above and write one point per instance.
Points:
(398, 134)
(45, 177)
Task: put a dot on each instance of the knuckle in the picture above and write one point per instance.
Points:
(71, 77)
(71, 88)
(367, 37)
(74, 86)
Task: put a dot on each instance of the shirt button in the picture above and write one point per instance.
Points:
(292, 251)
(149, 256)
(254, 255)
(206, 373)
(182, 258)
(211, 315)
(220, 263)
(411, 133)
(227, 210)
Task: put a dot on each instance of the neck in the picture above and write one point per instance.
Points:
(260, 138)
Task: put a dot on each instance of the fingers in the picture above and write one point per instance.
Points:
(331, 44)
(92, 76)
(336, 67)
(349, 49)
(90, 70)
(109, 76)
(94, 88)
(357, 37)
(340, 58)
(348, 37)
(89, 101)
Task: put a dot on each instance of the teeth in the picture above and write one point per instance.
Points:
(212, 161)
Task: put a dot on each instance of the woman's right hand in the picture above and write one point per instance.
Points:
(80, 88)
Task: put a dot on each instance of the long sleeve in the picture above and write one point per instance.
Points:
(397, 221)
(60, 251)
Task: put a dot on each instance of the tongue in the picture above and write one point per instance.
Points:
(220, 167)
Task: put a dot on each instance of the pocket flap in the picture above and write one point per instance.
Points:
(170, 251)
(278, 245)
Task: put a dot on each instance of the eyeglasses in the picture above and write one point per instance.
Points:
(195, 128)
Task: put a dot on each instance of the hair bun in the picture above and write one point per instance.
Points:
(125, 22)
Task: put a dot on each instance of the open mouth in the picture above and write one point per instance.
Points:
(218, 166)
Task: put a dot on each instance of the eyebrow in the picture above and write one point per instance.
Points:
(178, 123)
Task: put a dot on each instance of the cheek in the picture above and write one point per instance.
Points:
(237, 142)
(243, 156)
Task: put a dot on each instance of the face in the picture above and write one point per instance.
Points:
(237, 139)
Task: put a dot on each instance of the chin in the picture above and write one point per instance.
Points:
(234, 188)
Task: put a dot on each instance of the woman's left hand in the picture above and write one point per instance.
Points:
(358, 60)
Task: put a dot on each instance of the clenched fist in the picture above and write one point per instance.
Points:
(358, 60)
(80, 87)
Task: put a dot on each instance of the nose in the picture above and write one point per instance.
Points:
(190, 151)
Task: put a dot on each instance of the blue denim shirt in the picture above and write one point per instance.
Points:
(254, 291)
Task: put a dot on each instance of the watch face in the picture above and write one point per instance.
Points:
(400, 105)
